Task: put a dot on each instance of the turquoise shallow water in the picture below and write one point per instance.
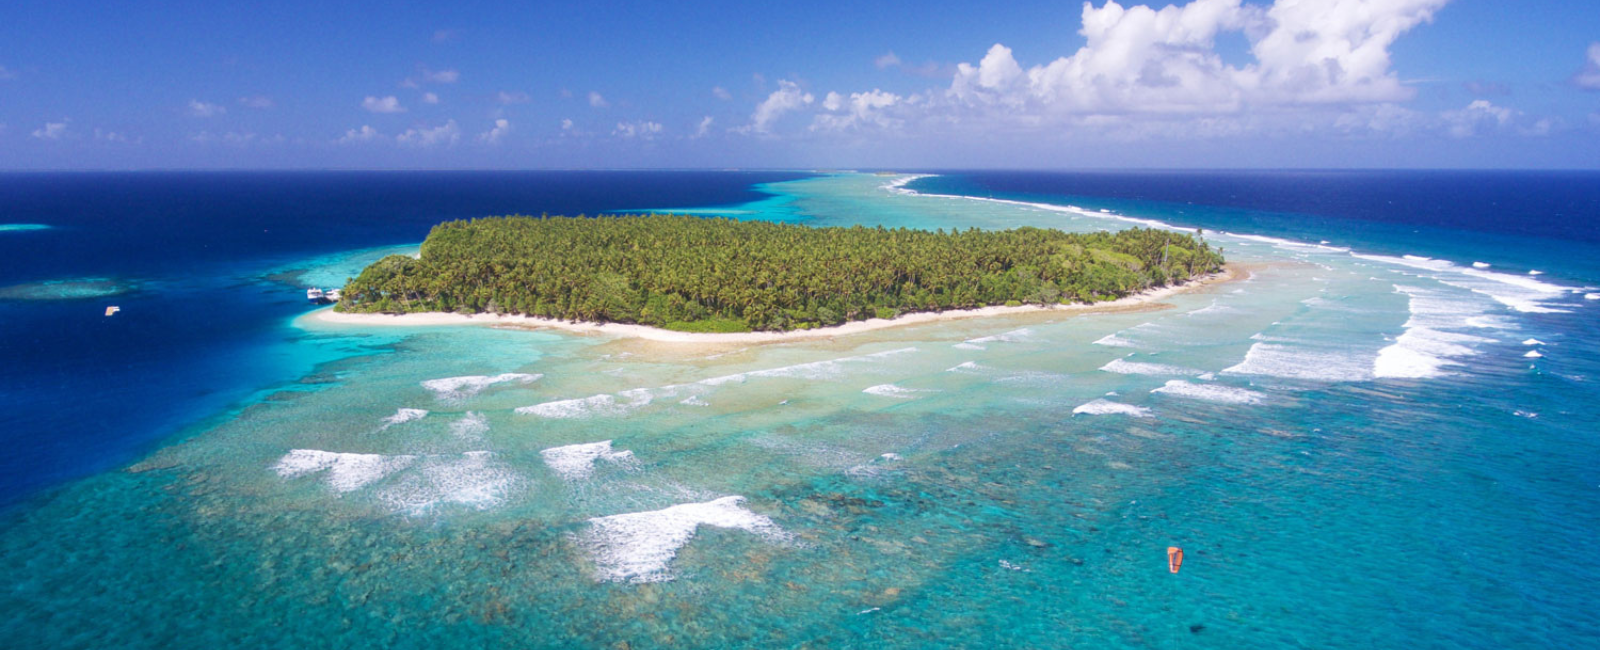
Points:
(1353, 450)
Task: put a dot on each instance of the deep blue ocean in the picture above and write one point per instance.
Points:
(203, 321)
(1379, 433)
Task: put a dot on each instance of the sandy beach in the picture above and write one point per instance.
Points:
(645, 332)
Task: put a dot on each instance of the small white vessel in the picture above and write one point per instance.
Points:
(314, 295)
(332, 295)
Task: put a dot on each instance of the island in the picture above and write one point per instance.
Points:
(698, 274)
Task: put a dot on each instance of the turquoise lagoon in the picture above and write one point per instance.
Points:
(1354, 449)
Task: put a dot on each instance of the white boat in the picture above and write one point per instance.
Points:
(333, 295)
(314, 295)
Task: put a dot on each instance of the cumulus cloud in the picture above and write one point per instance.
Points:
(644, 130)
(597, 101)
(235, 138)
(566, 125)
(445, 135)
(437, 76)
(505, 98)
(364, 134)
(256, 101)
(389, 104)
(430, 98)
(1480, 116)
(704, 128)
(1143, 60)
(198, 108)
(721, 93)
(886, 61)
(1589, 77)
(786, 98)
(492, 136)
(113, 136)
(858, 109)
(51, 130)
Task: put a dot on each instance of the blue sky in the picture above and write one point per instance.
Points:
(597, 84)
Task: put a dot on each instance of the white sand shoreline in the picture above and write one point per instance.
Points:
(625, 330)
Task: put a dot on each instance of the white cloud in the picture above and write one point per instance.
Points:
(236, 139)
(721, 93)
(198, 108)
(597, 101)
(256, 101)
(428, 76)
(364, 134)
(1142, 60)
(505, 98)
(833, 102)
(566, 125)
(430, 98)
(389, 104)
(51, 130)
(446, 135)
(441, 76)
(787, 97)
(861, 108)
(886, 61)
(1478, 117)
(492, 136)
(704, 128)
(112, 136)
(1588, 78)
(644, 130)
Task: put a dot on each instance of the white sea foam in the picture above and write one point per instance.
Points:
(576, 462)
(874, 467)
(459, 388)
(1591, 296)
(1303, 362)
(474, 479)
(1287, 244)
(471, 426)
(1521, 293)
(1428, 346)
(1125, 367)
(346, 471)
(594, 405)
(639, 547)
(982, 342)
(1535, 272)
(1210, 392)
(891, 390)
(1213, 308)
(694, 400)
(968, 367)
(1533, 354)
(1107, 407)
(1112, 340)
(403, 416)
(820, 370)
(1533, 342)
(1480, 265)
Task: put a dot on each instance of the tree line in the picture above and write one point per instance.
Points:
(717, 274)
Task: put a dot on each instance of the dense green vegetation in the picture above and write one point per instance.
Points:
(720, 275)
